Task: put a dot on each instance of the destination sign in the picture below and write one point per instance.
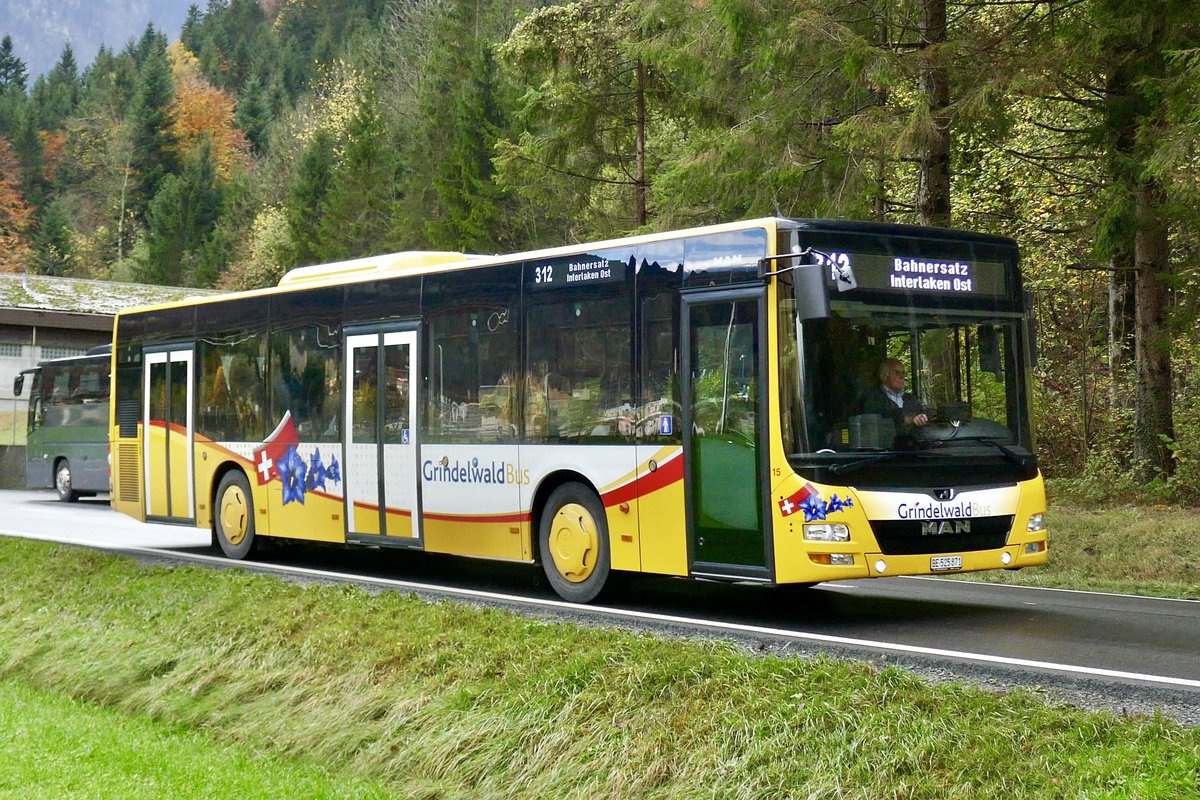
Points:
(878, 272)
(576, 270)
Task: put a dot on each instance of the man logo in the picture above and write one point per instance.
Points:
(943, 494)
(945, 526)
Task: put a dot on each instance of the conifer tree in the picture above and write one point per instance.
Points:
(52, 240)
(12, 87)
(57, 96)
(464, 117)
(357, 210)
(12, 68)
(149, 119)
(306, 199)
(181, 218)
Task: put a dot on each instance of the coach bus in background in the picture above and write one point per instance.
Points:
(692, 404)
(66, 444)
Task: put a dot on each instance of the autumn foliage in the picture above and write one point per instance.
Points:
(201, 109)
(15, 213)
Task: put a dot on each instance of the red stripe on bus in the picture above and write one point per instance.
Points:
(360, 506)
(523, 516)
(667, 474)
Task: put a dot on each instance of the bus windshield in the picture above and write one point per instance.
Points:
(877, 379)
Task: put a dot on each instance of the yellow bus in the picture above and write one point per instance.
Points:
(699, 403)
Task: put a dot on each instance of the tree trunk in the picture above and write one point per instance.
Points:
(933, 180)
(1154, 427)
(640, 177)
(1121, 325)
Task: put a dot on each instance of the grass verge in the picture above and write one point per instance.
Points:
(54, 747)
(445, 700)
(1146, 550)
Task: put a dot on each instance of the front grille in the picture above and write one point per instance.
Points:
(906, 537)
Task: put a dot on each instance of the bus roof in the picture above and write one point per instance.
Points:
(425, 262)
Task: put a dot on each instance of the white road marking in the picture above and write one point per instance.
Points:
(672, 619)
(1048, 589)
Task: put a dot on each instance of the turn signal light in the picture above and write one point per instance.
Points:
(832, 559)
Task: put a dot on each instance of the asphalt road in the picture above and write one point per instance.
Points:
(1115, 652)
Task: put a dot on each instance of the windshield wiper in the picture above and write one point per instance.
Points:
(850, 466)
(1011, 455)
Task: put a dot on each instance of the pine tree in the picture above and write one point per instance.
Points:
(150, 123)
(254, 113)
(464, 117)
(306, 199)
(357, 209)
(57, 96)
(12, 68)
(12, 87)
(181, 218)
(52, 240)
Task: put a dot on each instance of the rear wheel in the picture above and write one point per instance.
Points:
(573, 539)
(233, 523)
(62, 482)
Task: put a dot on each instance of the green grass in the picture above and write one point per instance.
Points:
(444, 700)
(1148, 550)
(54, 747)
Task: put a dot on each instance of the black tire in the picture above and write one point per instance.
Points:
(573, 543)
(62, 482)
(233, 516)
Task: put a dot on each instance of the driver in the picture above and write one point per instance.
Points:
(890, 399)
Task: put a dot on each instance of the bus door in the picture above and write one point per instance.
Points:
(724, 433)
(167, 454)
(381, 435)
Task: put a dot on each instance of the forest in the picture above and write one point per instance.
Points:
(279, 133)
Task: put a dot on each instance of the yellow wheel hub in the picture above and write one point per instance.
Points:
(574, 542)
(234, 515)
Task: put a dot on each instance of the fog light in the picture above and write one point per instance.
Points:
(826, 532)
(1037, 522)
(881, 566)
(1033, 548)
(1006, 558)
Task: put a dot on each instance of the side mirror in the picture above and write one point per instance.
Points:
(18, 384)
(812, 293)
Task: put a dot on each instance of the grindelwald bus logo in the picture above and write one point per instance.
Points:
(474, 471)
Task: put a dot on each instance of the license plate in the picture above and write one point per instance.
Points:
(945, 563)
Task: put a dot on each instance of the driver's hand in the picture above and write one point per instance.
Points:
(920, 419)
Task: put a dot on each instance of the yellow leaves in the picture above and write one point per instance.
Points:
(336, 100)
(184, 65)
(201, 109)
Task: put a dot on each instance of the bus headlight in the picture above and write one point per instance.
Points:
(826, 532)
(1037, 522)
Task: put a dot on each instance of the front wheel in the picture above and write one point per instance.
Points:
(573, 539)
(233, 523)
(62, 482)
